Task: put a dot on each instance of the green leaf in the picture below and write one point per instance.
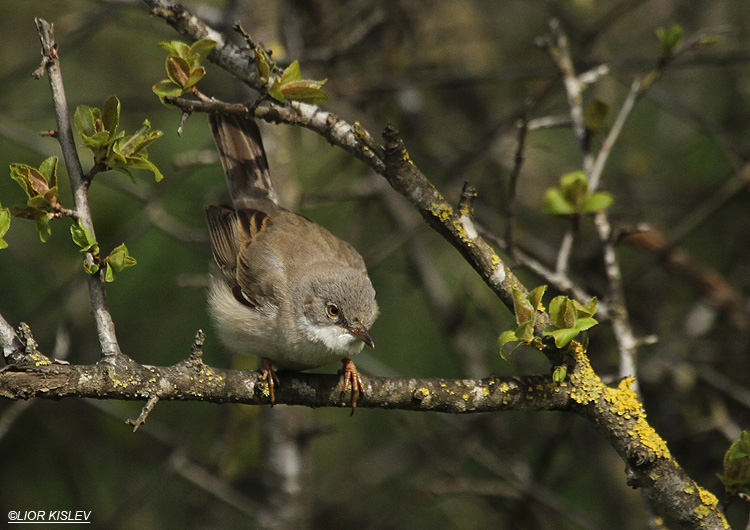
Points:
(167, 88)
(135, 143)
(587, 310)
(264, 64)
(575, 188)
(42, 226)
(504, 338)
(30, 179)
(111, 115)
(291, 73)
(562, 336)
(178, 70)
(736, 477)
(85, 121)
(175, 47)
(582, 324)
(522, 308)
(138, 162)
(117, 260)
(558, 375)
(556, 204)
(274, 90)
(125, 171)
(569, 314)
(109, 274)
(82, 237)
(48, 169)
(305, 92)
(90, 267)
(129, 152)
(5, 217)
(596, 202)
(525, 332)
(195, 75)
(43, 202)
(557, 309)
(199, 51)
(535, 297)
(670, 38)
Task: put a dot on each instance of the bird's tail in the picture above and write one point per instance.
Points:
(244, 161)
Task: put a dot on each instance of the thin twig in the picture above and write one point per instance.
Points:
(518, 159)
(145, 411)
(614, 134)
(626, 341)
(560, 53)
(79, 185)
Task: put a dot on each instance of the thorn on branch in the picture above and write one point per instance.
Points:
(196, 351)
(28, 355)
(396, 156)
(49, 46)
(147, 408)
(250, 42)
(466, 202)
(365, 139)
(183, 119)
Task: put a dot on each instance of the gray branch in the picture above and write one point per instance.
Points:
(79, 184)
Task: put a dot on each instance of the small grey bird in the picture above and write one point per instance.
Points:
(287, 290)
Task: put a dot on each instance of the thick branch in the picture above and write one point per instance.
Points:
(191, 380)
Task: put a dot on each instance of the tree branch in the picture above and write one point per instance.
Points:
(192, 380)
(105, 326)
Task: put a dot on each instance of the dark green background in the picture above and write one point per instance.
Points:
(453, 77)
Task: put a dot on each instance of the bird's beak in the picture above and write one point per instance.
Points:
(359, 331)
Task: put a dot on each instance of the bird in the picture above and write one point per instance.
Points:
(286, 289)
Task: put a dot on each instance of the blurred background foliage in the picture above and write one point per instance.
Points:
(454, 77)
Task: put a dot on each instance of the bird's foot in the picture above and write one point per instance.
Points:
(352, 380)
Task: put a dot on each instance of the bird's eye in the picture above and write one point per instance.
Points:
(333, 310)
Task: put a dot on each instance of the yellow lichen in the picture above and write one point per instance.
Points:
(587, 386)
(702, 511)
(39, 359)
(460, 230)
(425, 391)
(707, 498)
(441, 210)
(689, 490)
(624, 402)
